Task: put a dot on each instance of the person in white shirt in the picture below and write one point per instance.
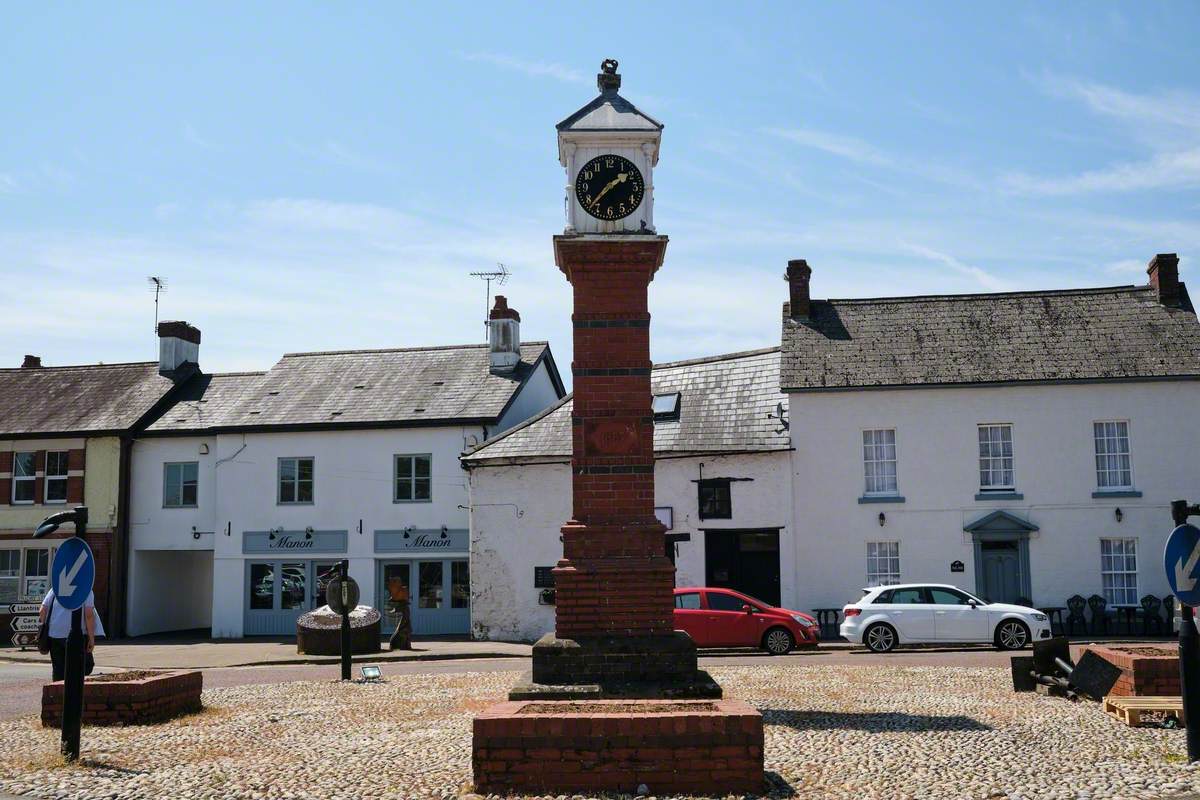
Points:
(60, 629)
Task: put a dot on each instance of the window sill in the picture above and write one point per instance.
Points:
(296, 503)
(170, 508)
(880, 498)
(410, 502)
(984, 497)
(1117, 493)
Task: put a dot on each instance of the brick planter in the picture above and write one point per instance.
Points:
(140, 698)
(700, 747)
(1146, 670)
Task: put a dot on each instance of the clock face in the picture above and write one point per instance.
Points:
(609, 187)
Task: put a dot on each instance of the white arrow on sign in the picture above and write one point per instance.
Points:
(66, 584)
(1184, 582)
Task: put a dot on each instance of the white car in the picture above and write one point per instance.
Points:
(936, 613)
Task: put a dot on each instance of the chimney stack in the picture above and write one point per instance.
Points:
(797, 276)
(178, 346)
(504, 337)
(31, 362)
(1164, 276)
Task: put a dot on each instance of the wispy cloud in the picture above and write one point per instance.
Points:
(1127, 267)
(985, 279)
(534, 69)
(312, 214)
(1166, 123)
(191, 135)
(7, 183)
(847, 147)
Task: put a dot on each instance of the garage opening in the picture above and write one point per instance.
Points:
(746, 561)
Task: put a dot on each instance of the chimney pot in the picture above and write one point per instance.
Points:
(31, 362)
(178, 345)
(504, 337)
(1164, 276)
(797, 276)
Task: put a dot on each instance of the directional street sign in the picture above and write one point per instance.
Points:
(1181, 559)
(73, 573)
(25, 624)
(24, 639)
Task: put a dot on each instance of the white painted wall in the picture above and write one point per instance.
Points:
(516, 513)
(937, 451)
(170, 590)
(537, 394)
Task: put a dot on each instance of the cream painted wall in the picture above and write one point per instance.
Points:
(102, 459)
(938, 474)
(516, 513)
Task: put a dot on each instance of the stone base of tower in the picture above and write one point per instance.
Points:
(687, 747)
(646, 667)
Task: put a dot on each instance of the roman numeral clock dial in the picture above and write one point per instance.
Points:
(609, 187)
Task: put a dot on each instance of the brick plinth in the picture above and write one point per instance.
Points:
(673, 747)
(150, 698)
(1146, 670)
(614, 661)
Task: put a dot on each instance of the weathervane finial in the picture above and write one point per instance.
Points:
(608, 80)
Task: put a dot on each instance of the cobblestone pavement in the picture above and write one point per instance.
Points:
(870, 732)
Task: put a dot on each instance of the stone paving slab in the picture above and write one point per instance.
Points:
(870, 732)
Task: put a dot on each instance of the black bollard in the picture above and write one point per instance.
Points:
(72, 718)
(1189, 680)
(345, 587)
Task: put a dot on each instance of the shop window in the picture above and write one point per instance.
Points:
(429, 584)
(24, 477)
(56, 476)
(10, 576)
(37, 573)
(324, 572)
(460, 584)
(714, 499)
(414, 483)
(295, 480)
(179, 484)
(291, 585)
(262, 586)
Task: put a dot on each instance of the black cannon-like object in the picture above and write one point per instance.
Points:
(1051, 666)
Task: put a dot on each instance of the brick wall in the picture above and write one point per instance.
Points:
(1149, 671)
(696, 747)
(149, 699)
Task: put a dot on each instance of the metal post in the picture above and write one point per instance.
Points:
(1189, 678)
(345, 586)
(72, 718)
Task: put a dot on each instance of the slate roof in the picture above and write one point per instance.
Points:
(1115, 333)
(724, 405)
(609, 112)
(206, 400)
(356, 388)
(88, 399)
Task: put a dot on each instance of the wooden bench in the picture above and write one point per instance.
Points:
(1130, 709)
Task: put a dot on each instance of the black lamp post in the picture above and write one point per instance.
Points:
(73, 676)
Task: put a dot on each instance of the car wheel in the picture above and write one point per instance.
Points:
(1012, 634)
(880, 638)
(778, 642)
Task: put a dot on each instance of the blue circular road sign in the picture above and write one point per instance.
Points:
(73, 573)
(1181, 558)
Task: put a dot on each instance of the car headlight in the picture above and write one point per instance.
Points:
(804, 620)
(1039, 617)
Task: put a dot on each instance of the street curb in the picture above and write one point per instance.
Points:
(366, 658)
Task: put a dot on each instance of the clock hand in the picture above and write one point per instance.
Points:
(619, 179)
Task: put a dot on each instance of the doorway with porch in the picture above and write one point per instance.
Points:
(1001, 544)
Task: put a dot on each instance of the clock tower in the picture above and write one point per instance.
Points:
(614, 698)
(609, 149)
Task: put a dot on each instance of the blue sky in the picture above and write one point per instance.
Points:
(318, 177)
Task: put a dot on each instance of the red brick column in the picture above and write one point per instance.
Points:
(614, 578)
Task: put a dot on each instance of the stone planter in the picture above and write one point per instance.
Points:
(319, 633)
(1146, 670)
(128, 698)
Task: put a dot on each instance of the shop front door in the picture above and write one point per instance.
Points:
(277, 592)
(439, 592)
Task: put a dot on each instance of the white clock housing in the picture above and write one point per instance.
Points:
(610, 124)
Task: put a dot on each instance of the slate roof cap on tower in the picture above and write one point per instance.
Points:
(1113, 333)
(85, 399)
(724, 405)
(609, 111)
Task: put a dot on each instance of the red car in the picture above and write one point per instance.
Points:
(725, 618)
